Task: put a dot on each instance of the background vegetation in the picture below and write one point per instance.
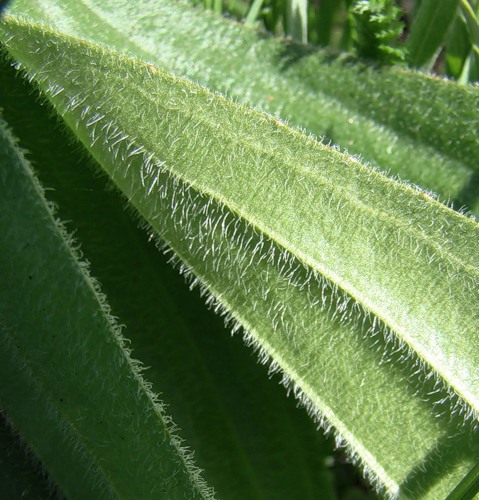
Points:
(435, 36)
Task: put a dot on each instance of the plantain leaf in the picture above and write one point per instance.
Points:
(396, 119)
(304, 246)
(61, 350)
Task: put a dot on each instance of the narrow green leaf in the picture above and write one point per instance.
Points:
(327, 11)
(60, 348)
(176, 151)
(246, 435)
(297, 19)
(429, 30)
(218, 6)
(472, 63)
(415, 8)
(471, 22)
(367, 111)
(346, 41)
(253, 12)
(457, 48)
(474, 66)
(468, 488)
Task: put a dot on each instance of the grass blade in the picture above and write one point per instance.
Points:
(472, 63)
(297, 19)
(471, 22)
(429, 30)
(327, 11)
(253, 12)
(458, 47)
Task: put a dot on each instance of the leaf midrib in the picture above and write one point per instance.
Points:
(306, 388)
(285, 244)
(399, 223)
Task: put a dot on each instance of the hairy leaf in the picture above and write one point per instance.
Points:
(398, 120)
(20, 475)
(250, 441)
(96, 426)
(275, 223)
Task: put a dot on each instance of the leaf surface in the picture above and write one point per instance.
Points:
(20, 476)
(250, 441)
(61, 349)
(222, 185)
(367, 111)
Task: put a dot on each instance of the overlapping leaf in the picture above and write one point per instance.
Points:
(249, 443)
(93, 414)
(395, 119)
(286, 233)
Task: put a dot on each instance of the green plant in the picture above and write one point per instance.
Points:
(359, 289)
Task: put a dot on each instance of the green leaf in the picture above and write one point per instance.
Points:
(178, 149)
(457, 48)
(247, 437)
(326, 14)
(368, 111)
(471, 22)
(376, 29)
(468, 488)
(253, 12)
(472, 62)
(429, 30)
(94, 415)
(297, 19)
